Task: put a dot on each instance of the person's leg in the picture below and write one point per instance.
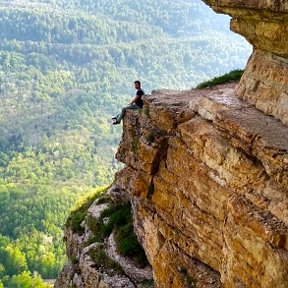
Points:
(124, 109)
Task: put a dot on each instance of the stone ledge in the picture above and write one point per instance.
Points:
(219, 193)
(260, 135)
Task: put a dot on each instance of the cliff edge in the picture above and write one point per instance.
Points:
(265, 25)
(207, 171)
(207, 175)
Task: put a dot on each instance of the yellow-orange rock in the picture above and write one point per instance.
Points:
(214, 199)
(265, 25)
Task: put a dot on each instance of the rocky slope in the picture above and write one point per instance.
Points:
(207, 170)
(93, 234)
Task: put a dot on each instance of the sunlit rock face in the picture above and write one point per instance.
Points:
(206, 170)
(265, 25)
(207, 176)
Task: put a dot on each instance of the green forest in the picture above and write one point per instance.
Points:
(67, 66)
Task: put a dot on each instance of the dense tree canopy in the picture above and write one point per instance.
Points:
(65, 68)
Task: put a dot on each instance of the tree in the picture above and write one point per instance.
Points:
(25, 280)
(14, 261)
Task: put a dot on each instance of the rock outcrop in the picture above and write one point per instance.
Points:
(265, 25)
(95, 262)
(206, 170)
(207, 175)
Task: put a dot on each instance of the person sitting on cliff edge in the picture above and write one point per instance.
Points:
(136, 103)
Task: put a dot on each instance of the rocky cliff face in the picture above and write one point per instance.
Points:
(265, 25)
(207, 170)
(207, 175)
(92, 236)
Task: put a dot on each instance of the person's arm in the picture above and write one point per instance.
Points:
(134, 99)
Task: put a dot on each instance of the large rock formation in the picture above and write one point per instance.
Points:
(207, 175)
(207, 170)
(265, 25)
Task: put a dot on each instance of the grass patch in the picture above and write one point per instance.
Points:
(128, 245)
(190, 282)
(79, 212)
(232, 76)
(105, 199)
(104, 262)
(96, 227)
(150, 190)
(120, 221)
(74, 260)
(147, 284)
(118, 216)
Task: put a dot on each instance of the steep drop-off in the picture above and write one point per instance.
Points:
(207, 170)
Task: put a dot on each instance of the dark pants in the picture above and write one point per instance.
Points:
(124, 109)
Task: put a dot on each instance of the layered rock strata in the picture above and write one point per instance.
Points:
(207, 175)
(265, 25)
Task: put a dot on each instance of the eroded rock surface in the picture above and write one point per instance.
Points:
(83, 270)
(265, 25)
(209, 189)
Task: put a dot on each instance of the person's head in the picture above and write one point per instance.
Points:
(137, 84)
